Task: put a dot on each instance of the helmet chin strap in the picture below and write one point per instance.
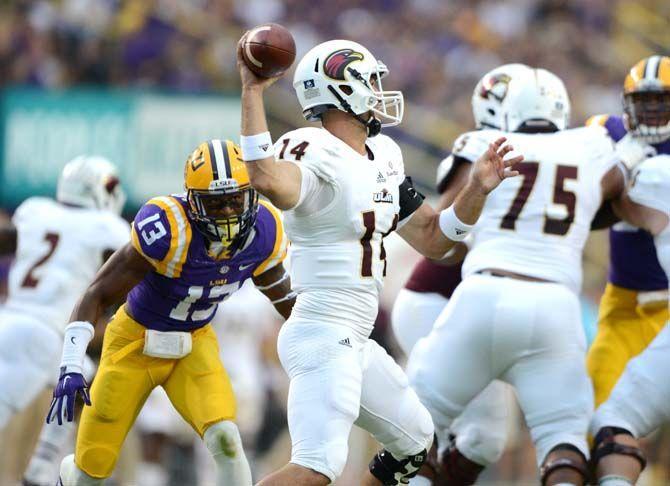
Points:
(372, 125)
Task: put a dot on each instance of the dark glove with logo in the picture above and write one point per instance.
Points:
(65, 394)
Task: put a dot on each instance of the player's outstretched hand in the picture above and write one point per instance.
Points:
(248, 77)
(491, 168)
(65, 394)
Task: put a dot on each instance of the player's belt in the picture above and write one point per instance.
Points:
(652, 297)
(507, 274)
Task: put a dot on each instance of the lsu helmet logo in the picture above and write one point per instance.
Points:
(196, 159)
(495, 86)
(337, 62)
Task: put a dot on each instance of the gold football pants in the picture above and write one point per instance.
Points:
(197, 385)
(625, 329)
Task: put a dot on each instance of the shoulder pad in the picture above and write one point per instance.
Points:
(471, 145)
(613, 124)
(309, 148)
(443, 169)
(594, 146)
(108, 231)
(596, 120)
(650, 183)
(29, 207)
(274, 241)
(162, 233)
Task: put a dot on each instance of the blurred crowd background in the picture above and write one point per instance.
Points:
(436, 49)
(144, 81)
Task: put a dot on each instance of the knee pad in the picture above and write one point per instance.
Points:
(390, 471)
(71, 475)
(416, 434)
(223, 439)
(483, 446)
(329, 459)
(579, 465)
(604, 444)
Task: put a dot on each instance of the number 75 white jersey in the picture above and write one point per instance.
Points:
(59, 250)
(536, 224)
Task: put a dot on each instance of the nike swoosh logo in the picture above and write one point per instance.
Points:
(72, 340)
(244, 267)
(65, 380)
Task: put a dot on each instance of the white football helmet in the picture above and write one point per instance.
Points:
(536, 102)
(344, 75)
(488, 98)
(91, 182)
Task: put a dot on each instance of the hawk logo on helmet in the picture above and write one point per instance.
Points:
(337, 62)
(495, 86)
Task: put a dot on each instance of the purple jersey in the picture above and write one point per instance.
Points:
(633, 261)
(187, 284)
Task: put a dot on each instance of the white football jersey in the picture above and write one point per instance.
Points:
(536, 224)
(59, 250)
(340, 244)
(650, 186)
(468, 146)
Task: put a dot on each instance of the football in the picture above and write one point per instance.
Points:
(269, 50)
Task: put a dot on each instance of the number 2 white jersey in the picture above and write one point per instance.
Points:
(536, 224)
(340, 244)
(59, 250)
(650, 187)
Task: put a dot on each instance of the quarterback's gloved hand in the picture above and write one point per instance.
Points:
(631, 151)
(65, 394)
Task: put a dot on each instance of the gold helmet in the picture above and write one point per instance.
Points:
(646, 93)
(221, 201)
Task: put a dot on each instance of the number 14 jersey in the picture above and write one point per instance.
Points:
(348, 203)
(187, 284)
(536, 224)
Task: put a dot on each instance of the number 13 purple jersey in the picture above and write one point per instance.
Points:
(187, 283)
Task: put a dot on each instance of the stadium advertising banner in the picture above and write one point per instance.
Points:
(147, 135)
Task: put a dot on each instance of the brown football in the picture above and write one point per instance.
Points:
(269, 50)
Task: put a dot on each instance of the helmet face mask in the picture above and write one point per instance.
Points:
(221, 201)
(344, 75)
(646, 99)
(647, 115)
(224, 216)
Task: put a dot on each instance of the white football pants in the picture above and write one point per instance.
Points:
(338, 378)
(481, 430)
(528, 334)
(640, 401)
(30, 353)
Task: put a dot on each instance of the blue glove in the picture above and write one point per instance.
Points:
(69, 384)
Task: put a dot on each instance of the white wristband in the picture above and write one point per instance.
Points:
(256, 147)
(77, 336)
(452, 227)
